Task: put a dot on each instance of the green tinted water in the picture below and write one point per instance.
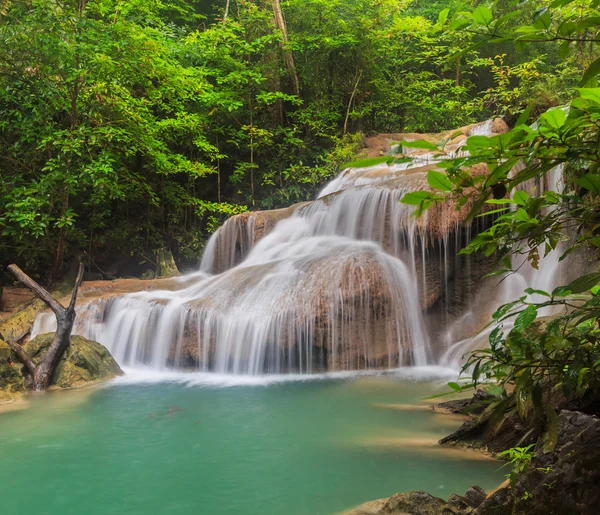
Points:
(293, 448)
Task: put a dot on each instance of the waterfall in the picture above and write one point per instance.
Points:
(349, 281)
(546, 277)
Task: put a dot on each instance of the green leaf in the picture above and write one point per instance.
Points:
(522, 215)
(584, 283)
(561, 291)
(592, 94)
(483, 15)
(416, 197)
(455, 386)
(525, 318)
(531, 291)
(590, 74)
(521, 197)
(439, 181)
(420, 143)
(443, 16)
(555, 117)
(365, 163)
(591, 182)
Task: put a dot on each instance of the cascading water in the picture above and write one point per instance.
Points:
(545, 278)
(349, 281)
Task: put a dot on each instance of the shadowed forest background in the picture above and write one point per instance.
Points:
(129, 127)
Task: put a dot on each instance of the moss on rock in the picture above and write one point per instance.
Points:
(11, 374)
(84, 362)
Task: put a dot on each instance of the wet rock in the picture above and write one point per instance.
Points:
(475, 496)
(84, 362)
(422, 503)
(564, 481)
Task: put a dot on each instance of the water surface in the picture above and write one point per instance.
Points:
(216, 445)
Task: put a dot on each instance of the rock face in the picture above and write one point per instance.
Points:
(84, 362)
(565, 481)
(12, 297)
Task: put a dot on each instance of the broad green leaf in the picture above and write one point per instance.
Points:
(455, 386)
(531, 291)
(522, 215)
(561, 291)
(443, 16)
(521, 197)
(525, 318)
(591, 182)
(439, 181)
(555, 117)
(584, 283)
(500, 201)
(591, 73)
(416, 197)
(592, 94)
(483, 15)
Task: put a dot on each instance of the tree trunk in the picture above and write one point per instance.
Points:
(226, 11)
(65, 317)
(359, 76)
(288, 57)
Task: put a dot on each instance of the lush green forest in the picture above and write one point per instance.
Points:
(131, 126)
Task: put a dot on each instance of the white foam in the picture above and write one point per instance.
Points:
(142, 375)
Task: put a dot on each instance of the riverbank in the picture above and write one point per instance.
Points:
(561, 481)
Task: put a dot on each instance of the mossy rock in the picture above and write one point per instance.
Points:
(11, 371)
(84, 362)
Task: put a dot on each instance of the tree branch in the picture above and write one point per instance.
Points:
(57, 307)
(76, 288)
(23, 356)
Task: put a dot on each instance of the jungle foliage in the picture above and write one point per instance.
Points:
(132, 126)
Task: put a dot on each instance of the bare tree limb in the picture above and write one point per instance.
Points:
(76, 288)
(22, 355)
(53, 304)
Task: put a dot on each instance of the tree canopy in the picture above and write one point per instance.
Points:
(133, 126)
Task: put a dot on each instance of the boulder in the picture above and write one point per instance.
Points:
(84, 362)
